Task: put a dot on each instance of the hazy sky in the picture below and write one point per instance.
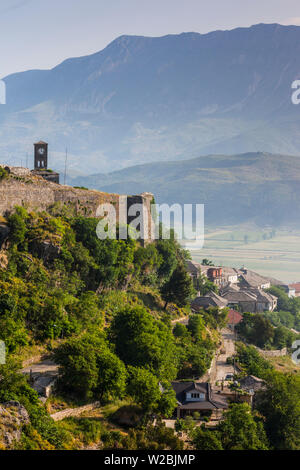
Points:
(42, 33)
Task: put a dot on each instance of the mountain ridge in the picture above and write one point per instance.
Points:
(254, 187)
(166, 98)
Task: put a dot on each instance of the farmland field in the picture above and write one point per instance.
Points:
(268, 252)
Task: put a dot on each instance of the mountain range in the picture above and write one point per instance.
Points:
(260, 188)
(147, 99)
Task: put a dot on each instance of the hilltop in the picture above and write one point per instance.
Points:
(143, 99)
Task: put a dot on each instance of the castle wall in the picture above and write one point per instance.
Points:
(33, 192)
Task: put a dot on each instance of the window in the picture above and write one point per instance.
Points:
(195, 395)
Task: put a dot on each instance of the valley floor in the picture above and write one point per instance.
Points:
(277, 256)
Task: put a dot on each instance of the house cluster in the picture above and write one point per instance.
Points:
(239, 289)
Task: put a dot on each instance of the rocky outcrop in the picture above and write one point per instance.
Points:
(13, 417)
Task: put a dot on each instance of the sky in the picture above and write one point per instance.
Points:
(42, 33)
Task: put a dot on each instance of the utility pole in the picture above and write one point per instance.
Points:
(66, 160)
(27, 160)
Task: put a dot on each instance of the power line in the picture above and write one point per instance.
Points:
(66, 160)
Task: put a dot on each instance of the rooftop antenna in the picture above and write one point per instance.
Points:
(66, 160)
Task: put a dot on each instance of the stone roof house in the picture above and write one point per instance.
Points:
(264, 300)
(211, 299)
(251, 300)
(240, 300)
(193, 268)
(197, 397)
(252, 384)
(250, 279)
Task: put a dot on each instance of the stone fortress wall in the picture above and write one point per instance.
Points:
(22, 188)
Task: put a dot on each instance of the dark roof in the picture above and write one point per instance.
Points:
(199, 387)
(263, 296)
(198, 405)
(193, 267)
(41, 142)
(211, 299)
(239, 296)
(252, 383)
(253, 279)
(212, 400)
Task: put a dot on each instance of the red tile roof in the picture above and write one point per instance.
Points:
(234, 317)
(295, 286)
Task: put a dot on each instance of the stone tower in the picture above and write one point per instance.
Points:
(41, 163)
(41, 156)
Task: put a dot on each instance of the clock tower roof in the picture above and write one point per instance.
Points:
(41, 143)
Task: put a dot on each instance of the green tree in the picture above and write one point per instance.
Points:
(205, 439)
(240, 431)
(179, 288)
(143, 386)
(204, 285)
(280, 405)
(17, 225)
(89, 368)
(196, 326)
(142, 341)
(207, 262)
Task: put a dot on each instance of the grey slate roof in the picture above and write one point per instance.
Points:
(252, 383)
(212, 400)
(253, 279)
(193, 267)
(211, 299)
(239, 296)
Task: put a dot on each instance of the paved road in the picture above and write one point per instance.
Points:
(220, 368)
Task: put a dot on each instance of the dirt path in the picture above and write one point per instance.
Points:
(41, 367)
(183, 320)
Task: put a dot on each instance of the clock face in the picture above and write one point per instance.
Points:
(41, 151)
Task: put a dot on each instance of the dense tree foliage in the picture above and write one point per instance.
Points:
(240, 430)
(179, 288)
(142, 341)
(288, 309)
(257, 329)
(90, 368)
(99, 305)
(279, 403)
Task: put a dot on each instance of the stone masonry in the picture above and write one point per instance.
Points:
(24, 189)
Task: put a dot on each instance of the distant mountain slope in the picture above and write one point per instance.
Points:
(145, 99)
(257, 187)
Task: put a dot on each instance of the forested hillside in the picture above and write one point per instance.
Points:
(104, 311)
(96, 305)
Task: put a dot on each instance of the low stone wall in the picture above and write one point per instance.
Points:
(74, 411)
(275, 352)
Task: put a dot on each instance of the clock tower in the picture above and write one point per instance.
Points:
(41, 156)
